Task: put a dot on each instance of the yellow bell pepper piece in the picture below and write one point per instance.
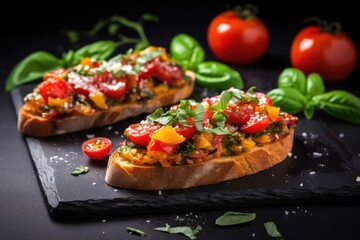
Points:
(202, 141)
(57, 102)
(262, 139)
(273, 113)
(168, 135)
(247, 144)
(99, 99)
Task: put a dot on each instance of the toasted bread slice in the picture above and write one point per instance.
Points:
(41, 127)
(121, 173)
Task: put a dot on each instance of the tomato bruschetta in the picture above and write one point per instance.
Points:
(98, 93)
(221, 138)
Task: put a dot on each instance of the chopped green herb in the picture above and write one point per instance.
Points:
(233, 218)
(135, 231)
(185, 230)
(80, 170)
(272, 230)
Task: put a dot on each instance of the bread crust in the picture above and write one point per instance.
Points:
(41, 127)
(123, 174)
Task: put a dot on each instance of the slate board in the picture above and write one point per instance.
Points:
(321, 168)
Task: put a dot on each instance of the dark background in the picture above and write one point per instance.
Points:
(29, 27)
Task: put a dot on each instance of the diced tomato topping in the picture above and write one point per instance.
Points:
(140, 133)
(239, 113)
(54, 88)
(186, 131)
(59, 74)
(257, 123)
(112, 87)
(157, 146)
(263, 99)
(167, 72)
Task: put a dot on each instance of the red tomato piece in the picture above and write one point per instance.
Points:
(140, 133)
(167, 72)
(96, 148)
(263, 99)
(257, 123)
(237, 40)
(59, 74)
(82, 85)
(239, 113)
(186, 131)
(147, 70)
(112, 87)
(332, 55)
(54, 88)
(157, 146)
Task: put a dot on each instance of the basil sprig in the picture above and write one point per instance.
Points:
(234, 218)
(188, 53)
(296, 93)
(35, 65)
(80, 170)
(185, 230)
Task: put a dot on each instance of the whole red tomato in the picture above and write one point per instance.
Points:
(324, 50)
(238, 36)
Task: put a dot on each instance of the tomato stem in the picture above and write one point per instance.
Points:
(333, 27)
(247, 11)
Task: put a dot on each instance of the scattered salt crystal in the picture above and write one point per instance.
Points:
(104, 220)
(148, 221)
(295, 156)
(293, 212)
(358, 179)
(103, 232)
(66, 155)
(321, 165)
(304, 134)
(115, 190)
(286, 212)
(317, 154)
(109, 128)
(273, 175)
(301, 184)
(94, 183)
(305, 142)
(196, 216)
(312, 173)
(61, 158)
(160, 192)
(253, 235)
(90, 135)
(116, 132)
(341, 135)
(289, 154)
(359, 155)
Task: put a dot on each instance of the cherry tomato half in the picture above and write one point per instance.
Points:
(82, 85)
(257, 123)
(239, 113)
(157, 146)
(96, 148)
(140, 133)
(112, 87)
(332, 55)
(263, 99)
(54, 88)
(168, 72)
(186, 131)
(236, 39)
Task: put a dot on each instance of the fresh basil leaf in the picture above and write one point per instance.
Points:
(309, 111)
(233, 218)
(199, 116)
(73, 36)
(217, 76)
(217, 130)
(100, 50)
(135, 231)
(292, 78)
(339, 104)
(288, 99)
(185, 230)
(186, 51)
(80, 170)
(147, 57)
(228, 96)
(31, 68)
(314, 85)
(272, 230)
(155, 115)
(141, 46)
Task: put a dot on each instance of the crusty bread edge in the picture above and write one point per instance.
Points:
(122, 174)
(40, 127)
